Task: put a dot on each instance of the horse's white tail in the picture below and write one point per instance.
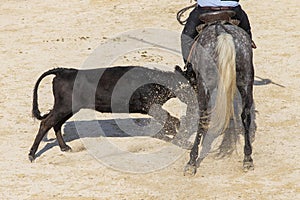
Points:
(223, 109)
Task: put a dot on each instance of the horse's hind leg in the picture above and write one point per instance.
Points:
(57, 128)
(247, 98)
(191, 167)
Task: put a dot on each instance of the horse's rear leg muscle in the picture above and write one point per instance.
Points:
(247, 98)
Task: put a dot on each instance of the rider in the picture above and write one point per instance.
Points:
(203, 6)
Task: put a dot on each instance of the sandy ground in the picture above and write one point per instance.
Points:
(37, 35)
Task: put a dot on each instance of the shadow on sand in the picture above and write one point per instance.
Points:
(74, 130)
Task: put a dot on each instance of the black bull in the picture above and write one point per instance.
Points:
(97, 89)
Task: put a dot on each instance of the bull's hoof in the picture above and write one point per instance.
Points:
(66, 148)
(189, 170)
(31, 157)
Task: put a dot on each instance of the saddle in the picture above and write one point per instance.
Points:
(221, 16)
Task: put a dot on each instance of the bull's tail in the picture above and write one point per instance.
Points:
(223, 110)
(35, 108)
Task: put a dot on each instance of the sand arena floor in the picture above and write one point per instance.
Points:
(37, 36)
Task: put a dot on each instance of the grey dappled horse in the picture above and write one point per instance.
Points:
(221, 57)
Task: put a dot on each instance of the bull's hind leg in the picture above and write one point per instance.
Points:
(247, 98)
(45, 126)
(57, 128)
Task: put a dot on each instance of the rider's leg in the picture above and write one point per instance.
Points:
(244, 21)
(187, 39)
(189, 33)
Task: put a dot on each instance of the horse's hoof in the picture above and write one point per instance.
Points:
(31, 157)
(189, 170)
(248, 166)
(66, 148)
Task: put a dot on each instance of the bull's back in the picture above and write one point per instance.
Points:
(129, 89)
(114, 89)
(87, 88)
